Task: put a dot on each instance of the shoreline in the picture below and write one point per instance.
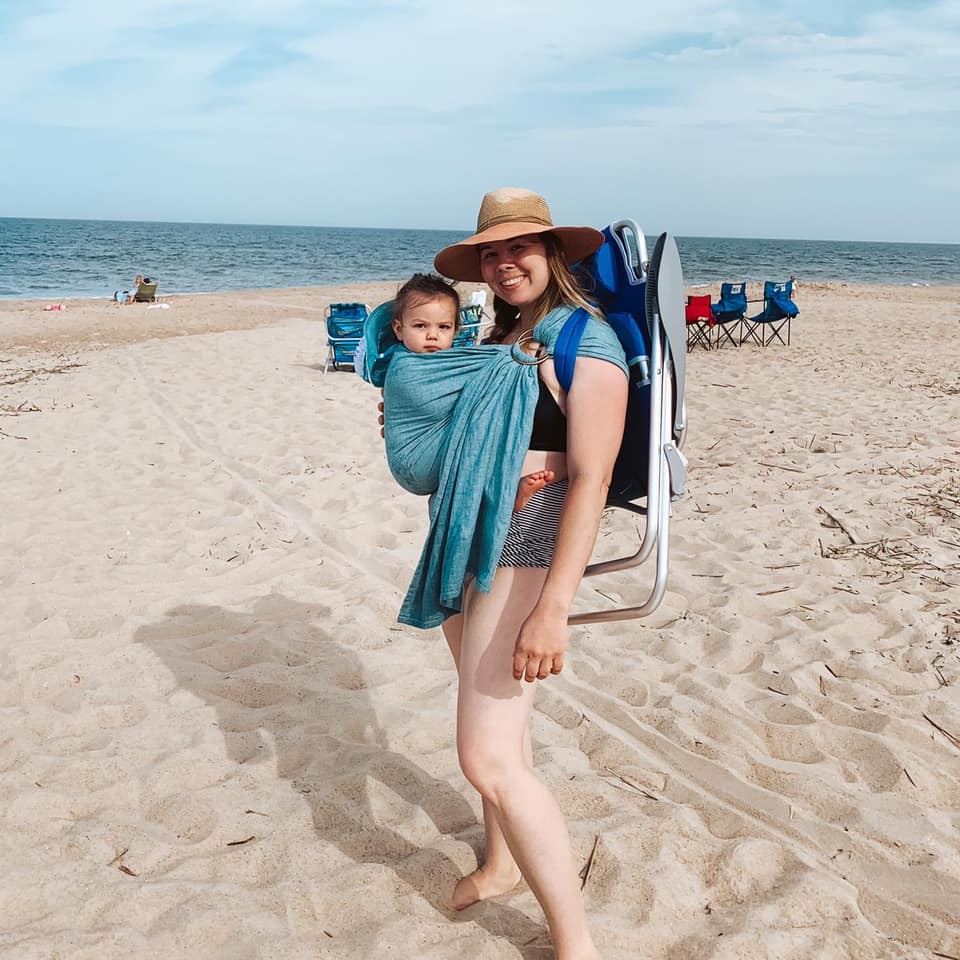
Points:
(690, 284)
(99, 322)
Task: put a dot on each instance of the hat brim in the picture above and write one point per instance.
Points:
(461, 261)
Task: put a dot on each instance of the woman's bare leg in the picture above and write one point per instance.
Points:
(499, 872)
(492, 715)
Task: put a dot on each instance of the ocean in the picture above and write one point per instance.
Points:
(44, 259)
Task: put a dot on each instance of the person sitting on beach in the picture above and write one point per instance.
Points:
(129, 296)
(503, 593)
(425, 319)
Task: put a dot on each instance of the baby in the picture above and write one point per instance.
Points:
(426, 317)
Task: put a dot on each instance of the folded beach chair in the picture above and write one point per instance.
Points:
(644, 303)
(728, 313)
(469, 333)
(146, 291)
(778, 310)
(699, 321)
(344, 330)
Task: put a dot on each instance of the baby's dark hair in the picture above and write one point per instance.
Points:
(425, 286)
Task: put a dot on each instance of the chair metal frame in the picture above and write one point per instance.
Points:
(666, 471)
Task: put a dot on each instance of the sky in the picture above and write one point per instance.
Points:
(812, 119)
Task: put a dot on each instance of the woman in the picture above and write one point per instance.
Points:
(518, 630)
(129, 296)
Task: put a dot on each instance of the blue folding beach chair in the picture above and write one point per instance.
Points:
(778, 310)
(729, 313)
(344, 330)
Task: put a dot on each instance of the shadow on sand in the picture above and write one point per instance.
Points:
(259, 670)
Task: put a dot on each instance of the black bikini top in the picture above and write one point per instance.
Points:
(549, 423)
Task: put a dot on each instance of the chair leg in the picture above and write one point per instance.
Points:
(752, 333)
(698, 333)
(723, 334)
(776, 331)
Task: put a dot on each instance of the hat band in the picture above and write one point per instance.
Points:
(511, 218)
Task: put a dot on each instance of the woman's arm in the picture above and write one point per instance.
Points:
(596, 408)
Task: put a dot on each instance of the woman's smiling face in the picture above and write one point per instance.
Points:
(516, 269)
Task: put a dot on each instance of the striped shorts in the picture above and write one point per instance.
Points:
(532, 536)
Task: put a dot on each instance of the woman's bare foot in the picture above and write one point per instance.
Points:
(529, 485)
(483, 884)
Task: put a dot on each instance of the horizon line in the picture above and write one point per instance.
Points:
(465, 231)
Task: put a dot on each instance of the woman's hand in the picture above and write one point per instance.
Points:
(541, 645)
(380, 418)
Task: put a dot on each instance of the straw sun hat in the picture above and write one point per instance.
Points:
(512, 212)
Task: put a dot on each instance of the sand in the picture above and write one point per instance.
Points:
(216, 741)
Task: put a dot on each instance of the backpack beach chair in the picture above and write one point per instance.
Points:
(643, 302)
(729, 312)
(699, 321)
(344, 330)
(778, 310)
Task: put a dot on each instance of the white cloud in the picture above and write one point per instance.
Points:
(447, 97)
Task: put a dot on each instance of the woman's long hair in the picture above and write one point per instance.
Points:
(561, 288)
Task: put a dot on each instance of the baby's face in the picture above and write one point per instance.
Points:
(427, 326)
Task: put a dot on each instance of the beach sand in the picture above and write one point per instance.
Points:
(216, 741)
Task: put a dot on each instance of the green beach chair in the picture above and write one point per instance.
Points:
(146, 292)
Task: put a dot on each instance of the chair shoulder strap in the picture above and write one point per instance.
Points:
(565, 350)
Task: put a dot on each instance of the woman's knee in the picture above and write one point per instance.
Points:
(489, 766)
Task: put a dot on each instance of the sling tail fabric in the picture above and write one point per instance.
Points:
(458, 424)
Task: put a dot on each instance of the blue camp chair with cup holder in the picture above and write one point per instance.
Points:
(778, 310)
(728, 313)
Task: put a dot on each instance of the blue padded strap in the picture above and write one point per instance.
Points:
(565, 351)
